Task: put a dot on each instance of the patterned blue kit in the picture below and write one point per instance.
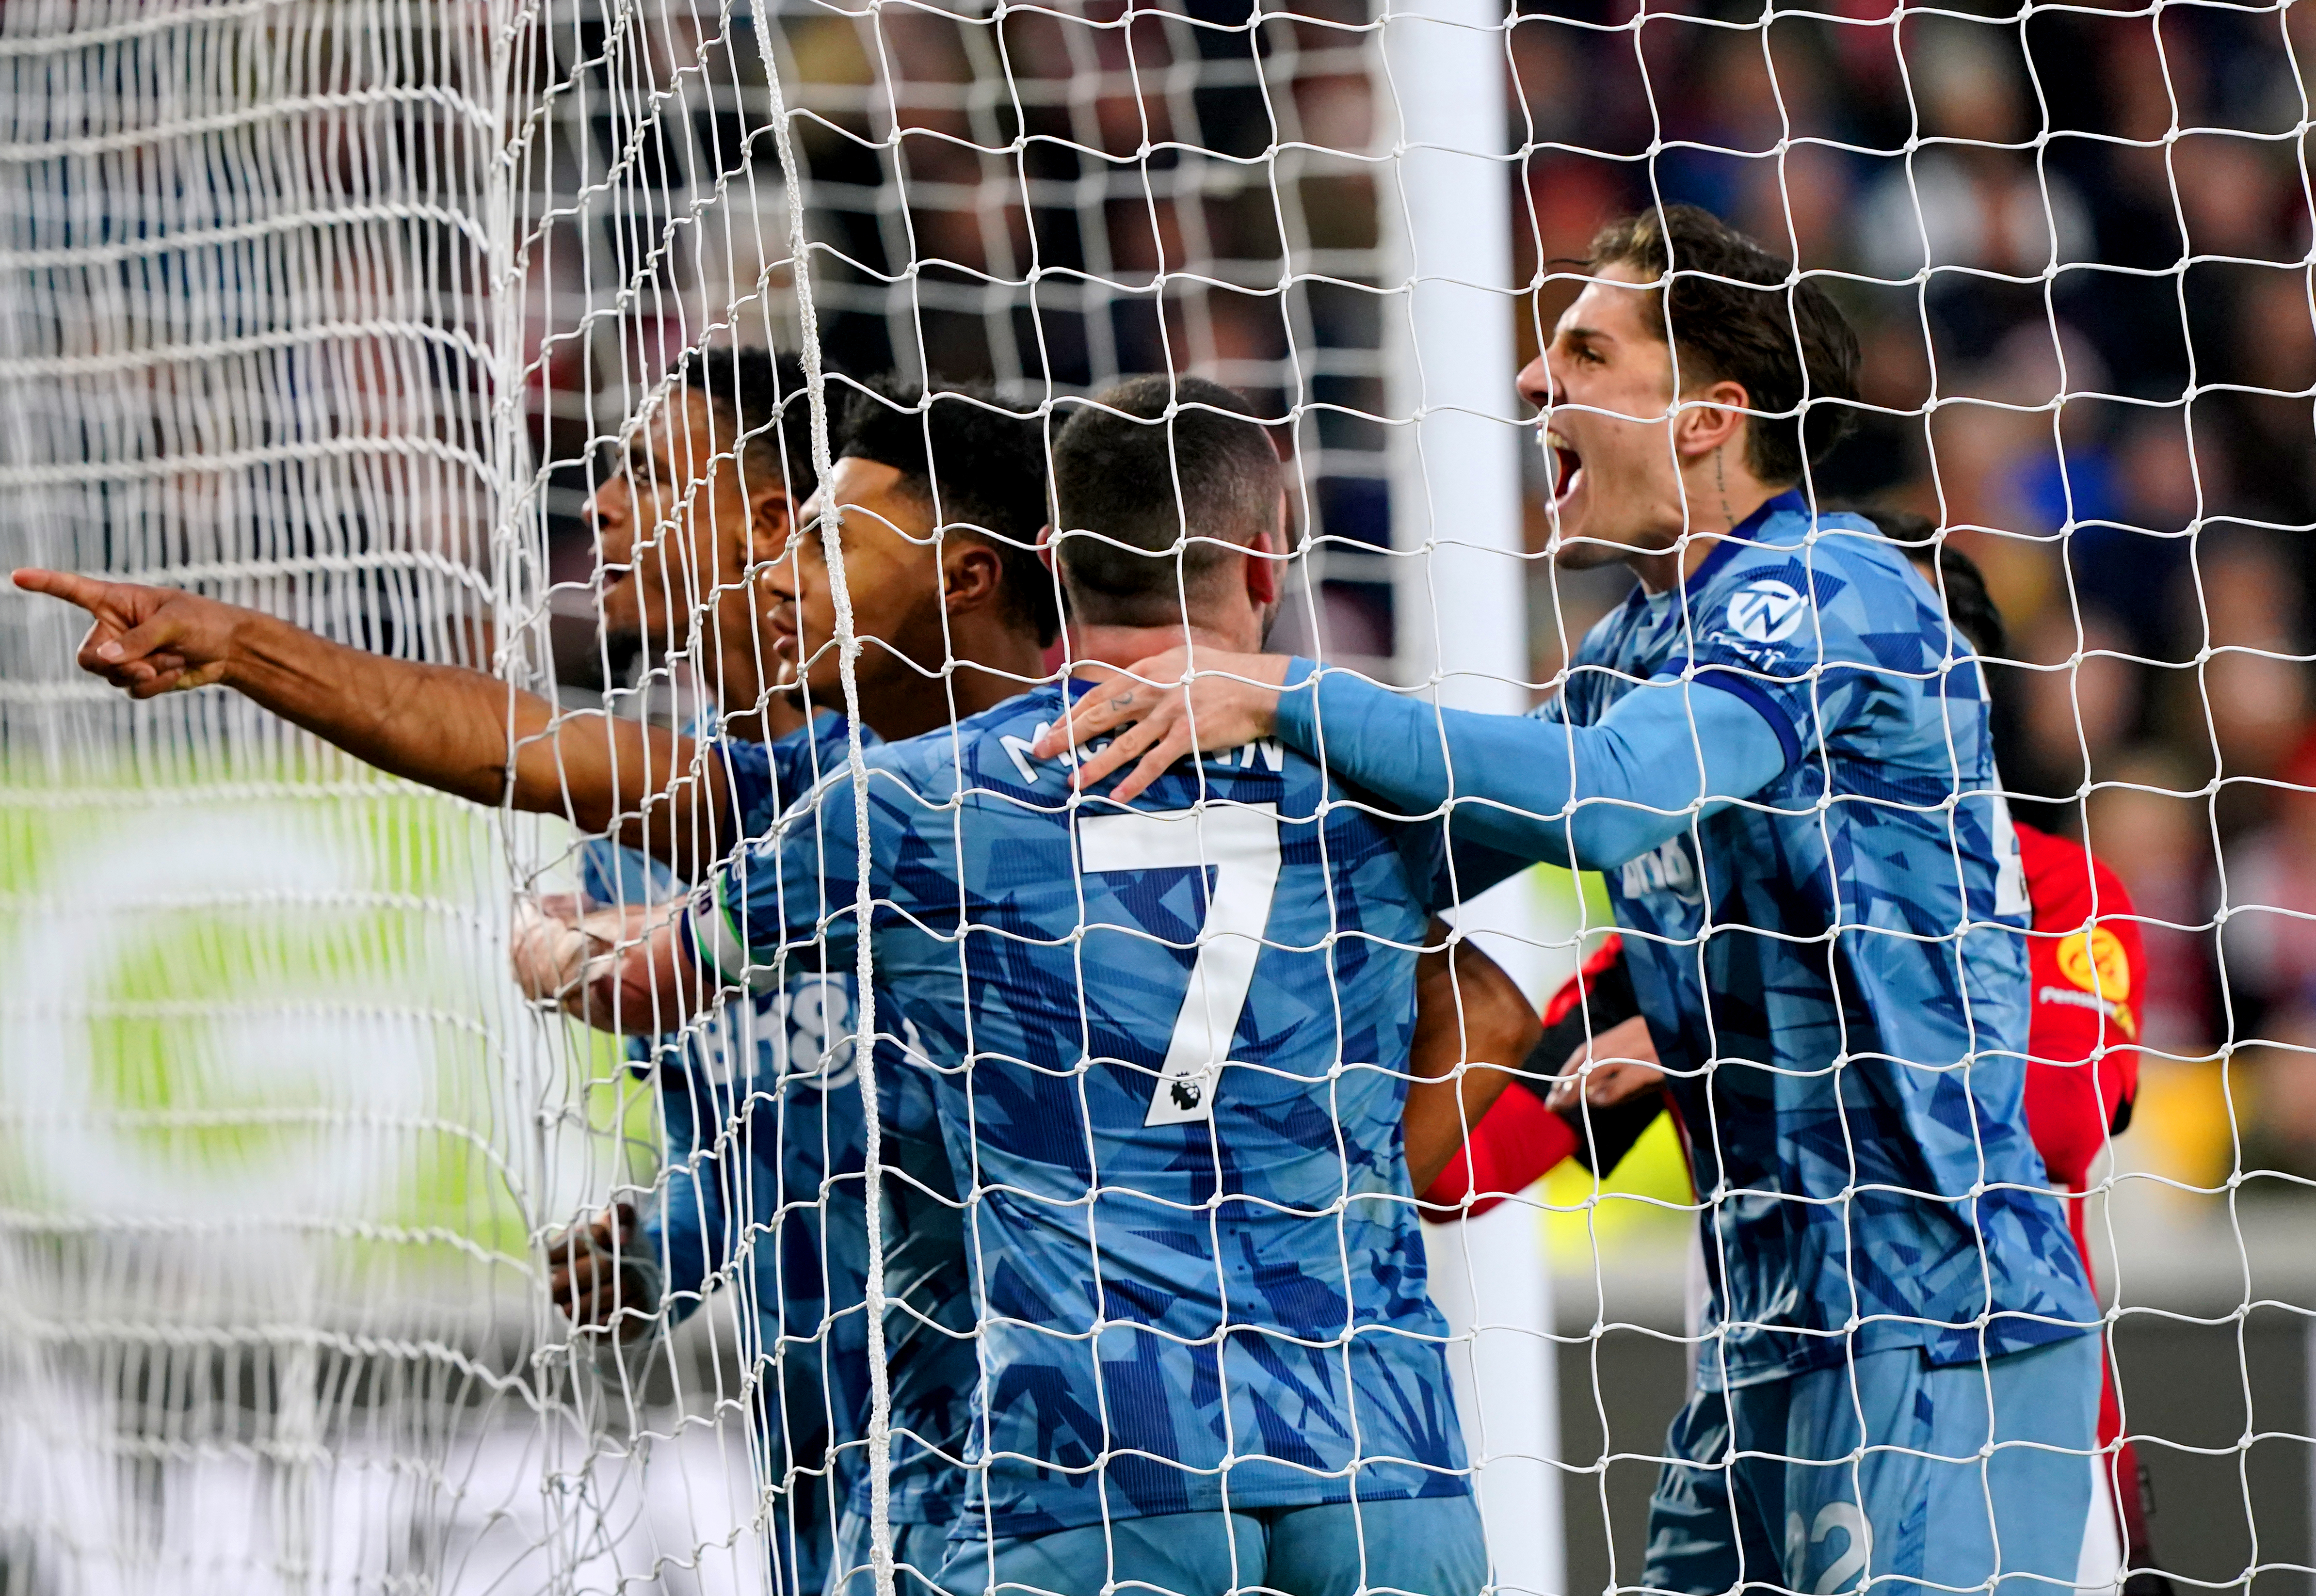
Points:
(1198, 1289)
(765, 1147)
(1782, 767)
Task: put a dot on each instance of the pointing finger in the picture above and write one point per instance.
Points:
(88, 591)
(147, 640)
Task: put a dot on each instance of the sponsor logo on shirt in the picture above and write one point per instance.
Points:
(1766, 611)
(2094, 962)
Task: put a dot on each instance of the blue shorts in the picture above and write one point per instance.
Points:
(918, 1552)
(1809, 1501)
(1429, 1546)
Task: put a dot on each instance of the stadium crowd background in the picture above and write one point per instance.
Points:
(2088, 431)
(2128, 587)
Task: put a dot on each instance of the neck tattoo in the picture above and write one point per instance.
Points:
(1720, 482)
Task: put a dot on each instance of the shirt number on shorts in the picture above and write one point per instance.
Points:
(1241, 843)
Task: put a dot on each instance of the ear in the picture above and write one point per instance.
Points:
(1045, 545)
(771, 516)
(972, 574)
(1263, 570)
(1714, 416)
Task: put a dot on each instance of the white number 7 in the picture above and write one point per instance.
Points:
(1241, 843)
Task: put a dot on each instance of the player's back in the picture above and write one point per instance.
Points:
(1178, 1261)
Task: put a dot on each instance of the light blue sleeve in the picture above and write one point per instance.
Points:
(1589, 797)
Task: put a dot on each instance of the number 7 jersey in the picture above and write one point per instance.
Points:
(1169, 1045)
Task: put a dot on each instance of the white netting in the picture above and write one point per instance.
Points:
(350, 312)
(266, 1105)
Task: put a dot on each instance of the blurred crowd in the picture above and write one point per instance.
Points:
(2085, 306)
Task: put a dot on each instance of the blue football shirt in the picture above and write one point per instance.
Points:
(1169, 1045)
(1783, 768)
(765, 1151)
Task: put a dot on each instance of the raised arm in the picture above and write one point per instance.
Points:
(444, 726)
(1591, 797)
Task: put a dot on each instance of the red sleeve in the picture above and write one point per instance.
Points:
(1572, 990)
(2118, 913)
(2087, 973)
(1517, 1142)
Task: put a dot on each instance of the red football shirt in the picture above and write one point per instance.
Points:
(1519, 1140)
(2087, 970)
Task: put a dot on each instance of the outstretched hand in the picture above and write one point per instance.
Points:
(1167, 713)
(145, 641)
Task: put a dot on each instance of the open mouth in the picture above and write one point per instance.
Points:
(1567, 465)
(618, 595)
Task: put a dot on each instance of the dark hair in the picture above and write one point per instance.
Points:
(1969, 606)
(1735, 314)
(980, 466)
(1157, 482)
(765, 396)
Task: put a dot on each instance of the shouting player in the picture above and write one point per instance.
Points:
(1781, 765)
(1170, 1044)
(1593, 1083)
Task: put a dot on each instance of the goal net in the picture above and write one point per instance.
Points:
(514, 339)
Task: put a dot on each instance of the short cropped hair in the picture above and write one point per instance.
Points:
(1734, 316)
(1969, 606)
(1158, 482)
(981, 467)
(762, 397)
